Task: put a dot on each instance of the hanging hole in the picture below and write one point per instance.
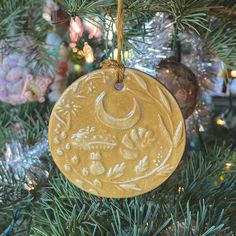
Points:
(119, 86)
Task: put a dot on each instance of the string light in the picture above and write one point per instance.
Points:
(201, 128)
(220, 121)
(233, 73)
(222, 178)
(180, 190)
(74, 50)
(228, 165)
(77, 67)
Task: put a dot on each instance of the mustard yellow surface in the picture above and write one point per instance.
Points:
(115, 143)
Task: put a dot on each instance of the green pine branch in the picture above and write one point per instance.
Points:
(204, 205)
(221, 40)
(31, 118)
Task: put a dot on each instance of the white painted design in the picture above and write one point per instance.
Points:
(56, 140)
(68, 146)
(142, 165)
(96, 168)
(89, 139)
(75, 159)
(140, 80)
(56, 130)
(85, 172)
(178, 134)
(93, 191)
(65, 111)
(164, 129)
(86, 87)
(152, 172)
(97, 183)
(134, 141)
(60, 119)
(67, 167)
(117, 123)
(141, 96)
(79, 183)
(164, 100)
(68, 107)
(63, 135)
(130, 187)
(60, 152)
(117, 171)
(128, 154)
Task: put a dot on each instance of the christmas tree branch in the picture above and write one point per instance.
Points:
(221, 40)
(31, 120)
(70, 211)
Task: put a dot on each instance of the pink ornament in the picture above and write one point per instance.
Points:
(18, 85)
(15, 74)
(3, 90)
(75, 30)
(94, 31)
(35, 89)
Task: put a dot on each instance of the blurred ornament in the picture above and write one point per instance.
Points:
(35, 88)
(64, 50)
(54, 15)
(49, 7)
(76, 30)
(53, 42)
(60, 78)
(93, 29)
(18, 83)
(88, 53)
(181, 82)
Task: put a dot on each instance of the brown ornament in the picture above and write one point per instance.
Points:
(181, 82)
(117, 143)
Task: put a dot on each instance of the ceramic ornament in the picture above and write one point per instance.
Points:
(117, 143)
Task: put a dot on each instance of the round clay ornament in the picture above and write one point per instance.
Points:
(117, 143)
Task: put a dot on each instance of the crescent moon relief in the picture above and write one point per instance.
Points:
(117, 123)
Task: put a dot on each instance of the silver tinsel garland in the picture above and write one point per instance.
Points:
(25, 162)
(195, 55)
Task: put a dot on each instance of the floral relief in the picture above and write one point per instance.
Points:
(135, 142)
